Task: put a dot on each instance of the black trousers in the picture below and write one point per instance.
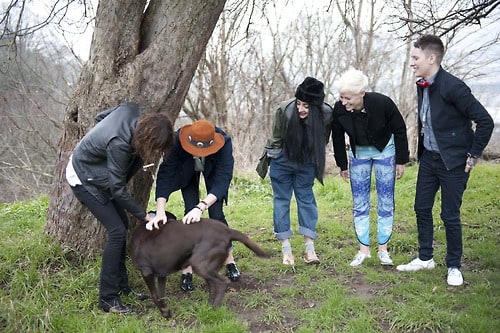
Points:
(191, 197)
(113, 277)
(433, 176)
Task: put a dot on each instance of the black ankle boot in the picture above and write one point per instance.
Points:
(232, 272)
(187, 282)
(115, 306)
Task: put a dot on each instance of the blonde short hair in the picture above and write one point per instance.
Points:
(353, 81)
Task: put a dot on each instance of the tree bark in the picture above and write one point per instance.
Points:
(140, 52)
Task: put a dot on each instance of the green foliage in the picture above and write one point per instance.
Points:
(47, 288)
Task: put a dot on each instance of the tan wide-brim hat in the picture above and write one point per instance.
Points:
(200, 139)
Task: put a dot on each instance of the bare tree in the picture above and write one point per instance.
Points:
(444, 18)
(259, 66)
(248, 76)
(52, 13)
(142, 51)
(148, 51)
(33, 91)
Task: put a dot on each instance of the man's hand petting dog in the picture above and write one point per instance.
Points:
(193, 216)
(154, 219)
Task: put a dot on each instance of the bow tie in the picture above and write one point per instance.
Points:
(423, 84)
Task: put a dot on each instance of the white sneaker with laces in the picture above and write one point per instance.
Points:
(455, 277)
(359, 258)
(385, 259)
(416, 265)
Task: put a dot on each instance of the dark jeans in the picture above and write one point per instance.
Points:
(433, 175)
(113, 270)
(191, 197)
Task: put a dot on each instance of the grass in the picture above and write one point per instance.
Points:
(45, 288)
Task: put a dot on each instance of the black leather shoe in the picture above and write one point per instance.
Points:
(232, 272)
(187, 282)
(115, 306)
(133, 293)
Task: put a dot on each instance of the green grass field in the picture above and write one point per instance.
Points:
(44, 288)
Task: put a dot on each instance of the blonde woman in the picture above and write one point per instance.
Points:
(378, 142)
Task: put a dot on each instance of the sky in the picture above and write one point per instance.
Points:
(75, 30)
(78, 35)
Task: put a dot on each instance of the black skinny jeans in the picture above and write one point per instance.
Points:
(433, 176)
(114, 276)
(191, 197)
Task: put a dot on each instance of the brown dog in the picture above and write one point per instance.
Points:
(204, 246)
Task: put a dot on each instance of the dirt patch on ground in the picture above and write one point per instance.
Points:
(260, 319)
(256, 318)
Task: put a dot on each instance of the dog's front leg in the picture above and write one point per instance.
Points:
(157, 293)
(161, 281)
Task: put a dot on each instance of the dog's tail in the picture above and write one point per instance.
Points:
(241, 237)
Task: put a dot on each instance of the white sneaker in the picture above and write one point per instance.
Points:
(385, 259)
(455, 277)
(359, 258)
(416, 265)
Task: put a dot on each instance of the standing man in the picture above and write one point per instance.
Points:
(448, 149)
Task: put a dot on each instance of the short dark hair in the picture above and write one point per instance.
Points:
(433, 44)
(153, 136)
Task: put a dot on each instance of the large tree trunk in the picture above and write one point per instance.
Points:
(138, 54)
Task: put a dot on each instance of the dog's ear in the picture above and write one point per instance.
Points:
(170, 216)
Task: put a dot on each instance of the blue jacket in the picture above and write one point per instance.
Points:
(177, 170)
(453, 109)
(104, 159)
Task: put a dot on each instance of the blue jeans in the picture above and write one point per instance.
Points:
(432, 175)
(360, 170)
(287, 178)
